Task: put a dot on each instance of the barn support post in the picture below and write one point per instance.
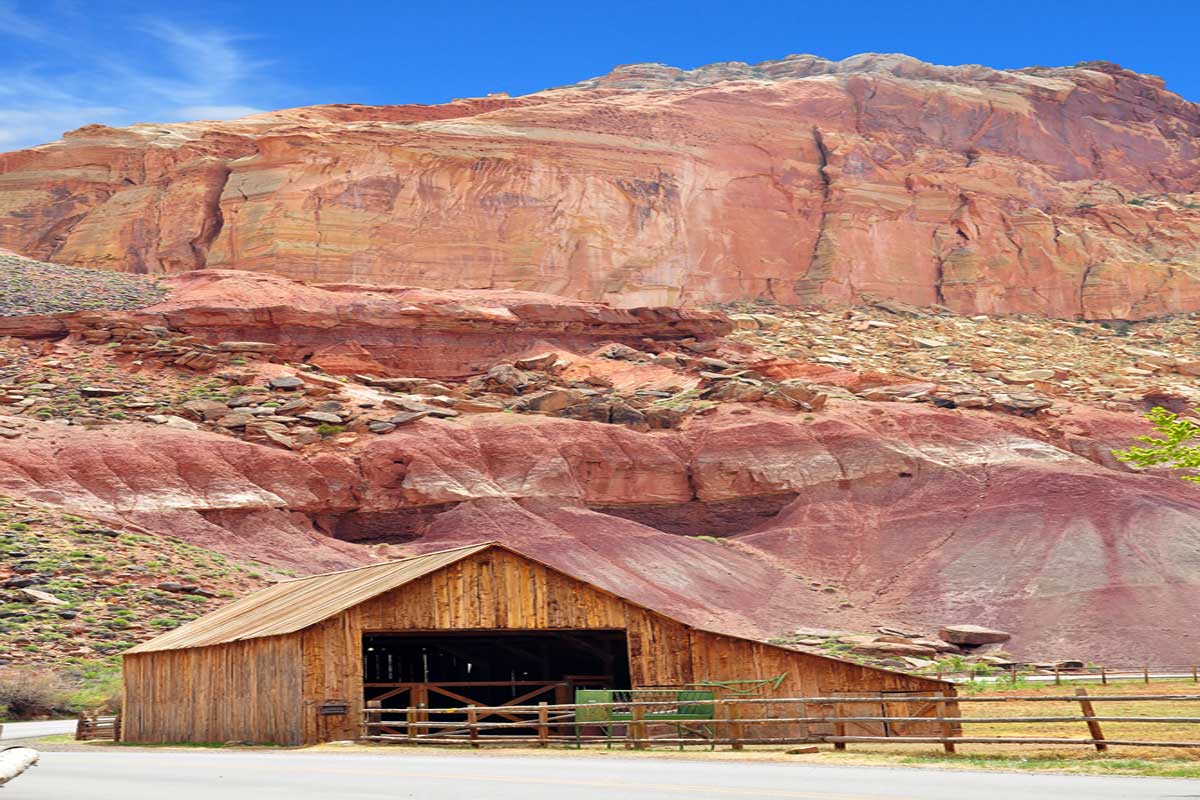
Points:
(1093, 725)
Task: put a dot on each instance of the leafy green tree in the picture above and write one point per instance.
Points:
(1171, 448)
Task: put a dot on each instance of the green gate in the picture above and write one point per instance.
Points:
(669, 706)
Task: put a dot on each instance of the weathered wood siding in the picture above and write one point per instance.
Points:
(244, 691)
(493, 590)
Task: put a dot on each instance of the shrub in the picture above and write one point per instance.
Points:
(326, 430)
(26, 693)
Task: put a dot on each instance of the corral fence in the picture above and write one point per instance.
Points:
(1074, 672)
(96, 726)
(737, 722)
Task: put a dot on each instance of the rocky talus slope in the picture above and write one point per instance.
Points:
(759, 469)
(76, 590)
(1070, 192)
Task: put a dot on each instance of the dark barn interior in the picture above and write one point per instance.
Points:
(491, 668)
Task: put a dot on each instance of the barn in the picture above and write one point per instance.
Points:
(296, 662)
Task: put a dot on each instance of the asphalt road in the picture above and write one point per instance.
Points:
(26, 730)
(142, 775)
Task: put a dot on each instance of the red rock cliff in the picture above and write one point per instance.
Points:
(1068, 192)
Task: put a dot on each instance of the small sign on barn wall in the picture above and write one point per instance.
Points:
(334, 708)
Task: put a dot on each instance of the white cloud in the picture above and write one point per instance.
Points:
(171, 73)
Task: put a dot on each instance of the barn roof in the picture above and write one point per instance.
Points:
(293, 605)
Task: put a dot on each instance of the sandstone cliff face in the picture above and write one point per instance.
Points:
(1068, 192)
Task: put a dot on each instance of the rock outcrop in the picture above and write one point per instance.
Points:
(1070, 192)
(388, 330)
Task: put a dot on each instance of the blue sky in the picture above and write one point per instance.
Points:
(66, 63)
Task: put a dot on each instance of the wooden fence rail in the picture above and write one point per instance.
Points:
(545, 723)
(97, 726)
(1063, 673)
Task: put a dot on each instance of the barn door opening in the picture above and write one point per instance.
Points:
(491, 668)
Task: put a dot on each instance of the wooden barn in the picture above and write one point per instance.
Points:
(486, 625)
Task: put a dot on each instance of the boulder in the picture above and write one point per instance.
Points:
(100, 391)
(286, 382)
(45, 598)
(885, 648)
(320, 417)
(507, 377)
(972, 635)
(552, 400)
(204, 409)
(539, 363)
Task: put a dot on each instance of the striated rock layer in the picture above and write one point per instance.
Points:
(1072, 192)
(382, 329)
(900, 515)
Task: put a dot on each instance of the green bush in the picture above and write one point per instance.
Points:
(326, 430)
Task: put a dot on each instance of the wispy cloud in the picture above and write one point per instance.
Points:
(56, 77)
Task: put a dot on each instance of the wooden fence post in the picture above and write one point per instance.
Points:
(543, 725)
(947, 728)
(1057, 676)
(410, 726)
(1103, 675)
(839, 728)
(1195, 679)
(637, 727)
(1146, 674)
(370, 716)
(1093, 725)
(1013, 668)
(473, 726)
(736, 729)
(81, 725)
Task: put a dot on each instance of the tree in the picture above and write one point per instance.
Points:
(1171, 448)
